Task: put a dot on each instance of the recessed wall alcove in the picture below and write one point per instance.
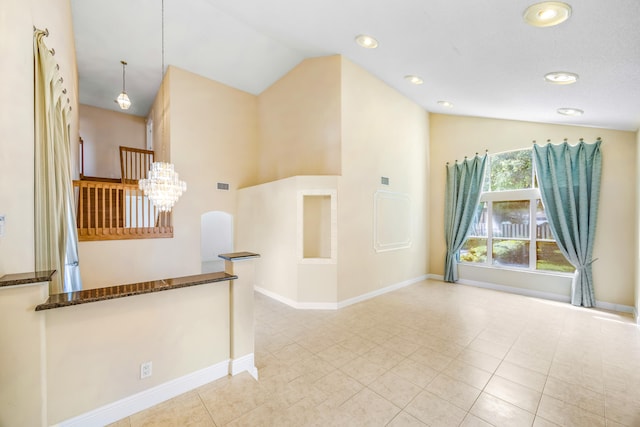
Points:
(216, 237)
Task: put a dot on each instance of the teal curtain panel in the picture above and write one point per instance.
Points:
(569, 180)
(462, 195)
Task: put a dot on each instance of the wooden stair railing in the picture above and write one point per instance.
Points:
(134, 164)
(115, 211)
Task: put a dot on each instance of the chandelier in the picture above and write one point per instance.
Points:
(123, 99)
(163, 187)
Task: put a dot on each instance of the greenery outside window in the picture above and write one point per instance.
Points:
(511, 228)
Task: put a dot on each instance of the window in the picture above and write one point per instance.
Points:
(510, 228)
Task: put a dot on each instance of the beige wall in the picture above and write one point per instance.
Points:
(22, 367)
(299, 119)
(453, 137)
(212, 137)
(103, 132)
(96, 361)
(268, 220)
(160, 114)
(17, 19)
(383, 134)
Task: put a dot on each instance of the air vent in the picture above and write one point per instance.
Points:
(384, 180)
(223, 186)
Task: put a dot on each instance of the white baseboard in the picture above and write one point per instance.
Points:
(145, 399)
(382, 291)
(244, 363)
(295, 304)
(341, 304)
(538, 294)
(615, 307)
(636, 316)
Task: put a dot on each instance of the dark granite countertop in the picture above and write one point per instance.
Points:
(238, 256)
(26, 278)
(121, 291)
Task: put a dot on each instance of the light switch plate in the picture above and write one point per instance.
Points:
(1, 225)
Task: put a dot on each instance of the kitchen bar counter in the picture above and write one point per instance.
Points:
(120, 291)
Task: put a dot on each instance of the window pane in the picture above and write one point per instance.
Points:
(549, 257)
(479, 222)
(486, 183)
(511, 253)
(511, 219)
(474, 250)
(543, 231)
(511, 171)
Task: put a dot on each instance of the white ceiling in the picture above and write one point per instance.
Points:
(478, 54)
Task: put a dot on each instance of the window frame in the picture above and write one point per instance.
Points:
(532, 195)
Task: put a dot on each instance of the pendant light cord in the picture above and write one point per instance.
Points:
(124, 64)
(162, 110)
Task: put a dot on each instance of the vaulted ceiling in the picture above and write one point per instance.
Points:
(479, 55)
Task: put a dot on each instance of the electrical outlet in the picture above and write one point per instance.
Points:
(1, 225)
(145, 369)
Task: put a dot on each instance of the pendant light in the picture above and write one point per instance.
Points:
(162, 186)
(123, 99)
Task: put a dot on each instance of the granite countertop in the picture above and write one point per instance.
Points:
(26, 278)
(237, 256)
(121, 291)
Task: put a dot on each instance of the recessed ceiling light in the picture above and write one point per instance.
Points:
(575, 112)
(561, 77)
(366, 41)
(547, 13)
(416, 80)
(445, 104)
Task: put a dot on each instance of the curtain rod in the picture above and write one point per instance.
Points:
(465, 157)
(45, 31)
(53, 53)
(567, 140)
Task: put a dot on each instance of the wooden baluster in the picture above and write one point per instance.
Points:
(81, 206)
(95, 208)
(130, 208)
(110, 216)
(88, 190)
(118, 207)
(144, 219)
(104, 209)
(137, 209)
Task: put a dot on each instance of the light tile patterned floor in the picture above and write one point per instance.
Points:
(429, 354)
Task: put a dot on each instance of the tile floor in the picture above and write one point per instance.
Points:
(431, 354)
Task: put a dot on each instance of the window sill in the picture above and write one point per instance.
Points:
(517, 270)
(547, 285)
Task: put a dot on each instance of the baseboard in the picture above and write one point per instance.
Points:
(615, 307)
(382, 291)
(341, 304)
(145, 399)
(538, 294)
(636, 316)
(296, 304)
(244, 363)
